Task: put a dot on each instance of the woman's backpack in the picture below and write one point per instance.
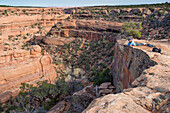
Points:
(156, 50)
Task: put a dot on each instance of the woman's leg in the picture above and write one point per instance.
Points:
(139, 44)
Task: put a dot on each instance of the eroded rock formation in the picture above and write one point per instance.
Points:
(21, 66)
(149, 92)
(128, 64)
(89, 29)
(22, 21)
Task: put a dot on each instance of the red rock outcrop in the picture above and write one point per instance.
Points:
(114, 104)
(25, 20)
(17, 26)
(21, 66)
(89, 29)
(149, 92)
(57, 41)
(128, 64)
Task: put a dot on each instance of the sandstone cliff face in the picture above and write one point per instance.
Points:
(17, 26)
(22, 21)
(23, 66)
(149, 92)
(88, 29)
(26, 24)
(128, 64)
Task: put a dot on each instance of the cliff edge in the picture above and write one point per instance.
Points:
(149, 92)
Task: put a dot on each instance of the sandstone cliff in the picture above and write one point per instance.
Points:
(17, 65)
(23, 66)
(88, 29)
(22, 21)
(128, 64)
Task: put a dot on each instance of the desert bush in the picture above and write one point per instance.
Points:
(102, 77)
(24, 37)
(38, 98)
(1, 108)
(6, 43)
(10, 37)
(133, 28)
(24, 11)
(5, 12)
(135, 33)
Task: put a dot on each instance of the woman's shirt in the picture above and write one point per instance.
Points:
(132, 43)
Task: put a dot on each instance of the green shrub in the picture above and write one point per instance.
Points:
(133, 28)
(41, 97)
(24, 37)
(135, 33)
(6, 43)
(5, 11)
(24, 11)
(10, 108)
(10, 37)
(102, 77)
(1, 109)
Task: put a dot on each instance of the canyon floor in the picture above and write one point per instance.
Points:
(87, 48)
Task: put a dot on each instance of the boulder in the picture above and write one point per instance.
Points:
(106, 88)
(105, 85)
(105, 92)
(60, 107)
(111, 87)
(114, 104)
(35, 50)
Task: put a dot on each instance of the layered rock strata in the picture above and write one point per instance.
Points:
(21, 66)
(89, 29)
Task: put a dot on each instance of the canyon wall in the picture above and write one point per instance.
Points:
(20, 62)
(128, 64)
(22, 21)
(21, 66)
(88, 29)
(147, 89)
